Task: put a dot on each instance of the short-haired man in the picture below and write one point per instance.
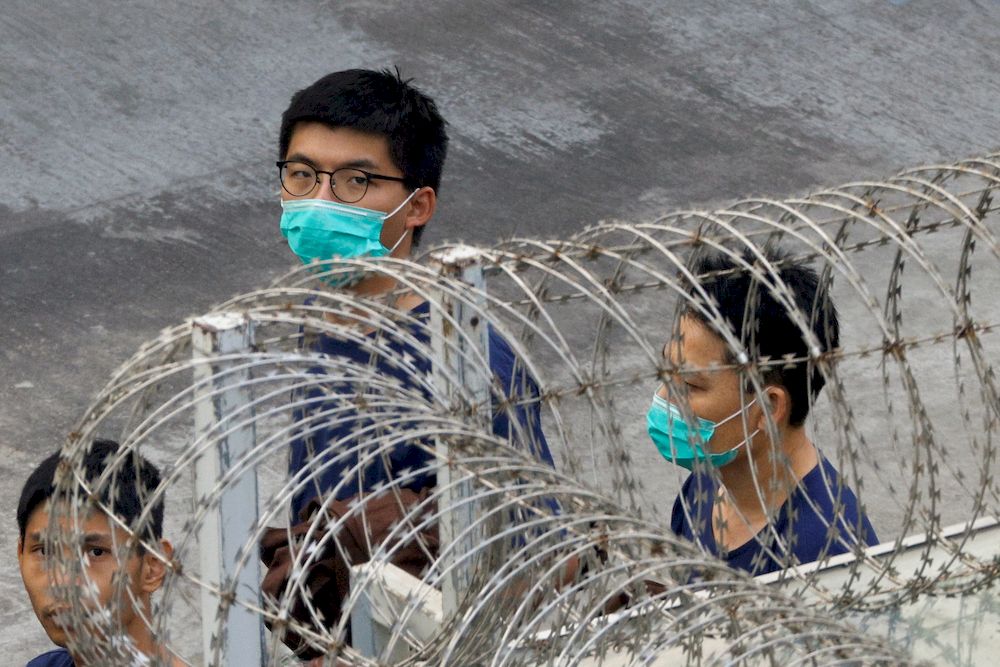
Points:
(761, 504)
(361, 155)
(119, 574)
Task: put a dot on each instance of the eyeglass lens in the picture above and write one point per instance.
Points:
(299, 179)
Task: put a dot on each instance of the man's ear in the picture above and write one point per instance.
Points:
(776, 401)
(154, 567)
(421, 208)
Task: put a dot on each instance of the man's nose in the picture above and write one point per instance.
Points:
(324, 189)
(62, 576)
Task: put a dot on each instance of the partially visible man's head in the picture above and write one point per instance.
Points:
(135, 480)
(377, 103)
(116, 576)
(762, 323)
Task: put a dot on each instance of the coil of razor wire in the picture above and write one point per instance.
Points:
(575, 563)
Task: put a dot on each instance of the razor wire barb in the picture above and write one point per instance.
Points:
(574, 563)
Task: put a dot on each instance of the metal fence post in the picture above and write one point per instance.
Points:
(232, 635)
(456, 344)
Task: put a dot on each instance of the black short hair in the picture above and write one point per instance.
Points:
(771, 332)
(382, 103)
(135, 479)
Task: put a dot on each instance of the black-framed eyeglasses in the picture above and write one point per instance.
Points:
(347, 183)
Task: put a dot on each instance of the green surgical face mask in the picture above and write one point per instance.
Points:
(672, 435)
(320, 229)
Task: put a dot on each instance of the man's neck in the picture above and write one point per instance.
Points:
(374, 285)
(754, 487)
(376, 282)
(138, 639)
(379, 285)
(166, 656)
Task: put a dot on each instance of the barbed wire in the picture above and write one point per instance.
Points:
(574, 561)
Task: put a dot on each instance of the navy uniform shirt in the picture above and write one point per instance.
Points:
(807, 533)
(329, 428)
(58, 658)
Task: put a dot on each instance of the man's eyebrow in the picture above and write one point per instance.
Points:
(298, 157)
(695, 375)
(362, 163)
(359, 163)
(87, 538)
(688, 372)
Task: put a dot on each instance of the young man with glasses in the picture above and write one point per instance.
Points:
(361, 155)
(361, 160)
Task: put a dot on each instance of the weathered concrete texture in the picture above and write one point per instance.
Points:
(137, 141)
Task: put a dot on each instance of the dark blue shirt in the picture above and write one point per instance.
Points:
(807, 533)
(329, 428)
(58, 658)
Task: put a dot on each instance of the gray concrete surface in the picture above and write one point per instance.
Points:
(137, 142)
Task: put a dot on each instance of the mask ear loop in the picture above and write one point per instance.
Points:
(398, 241)
(401, 205)
(747, 438)
(394, 212)
(730, 417)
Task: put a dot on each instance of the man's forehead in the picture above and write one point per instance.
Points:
(694, 345)
(320, 142)
(91, 519)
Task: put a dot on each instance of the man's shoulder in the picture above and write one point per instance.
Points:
(408, 336)
(60, 657)
(824, 486)
(501, 355)
(416, 328)
(826, 504)
(694, 501)
(700, 482)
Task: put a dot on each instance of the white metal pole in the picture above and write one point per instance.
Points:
(457, 344)
(232, 635)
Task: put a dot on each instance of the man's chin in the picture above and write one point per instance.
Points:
(56, 634)
(55, 628)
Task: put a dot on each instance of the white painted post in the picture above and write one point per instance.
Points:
(232, 635)
(456, 346)
(389, 592)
